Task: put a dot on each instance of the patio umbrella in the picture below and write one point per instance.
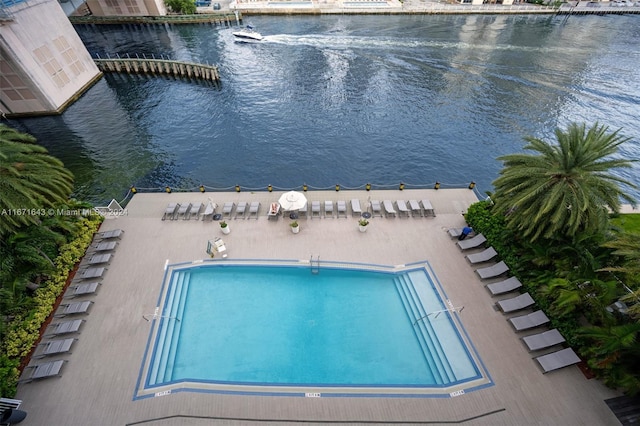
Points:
(292, 200)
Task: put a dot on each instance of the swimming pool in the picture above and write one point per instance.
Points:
(284, 328)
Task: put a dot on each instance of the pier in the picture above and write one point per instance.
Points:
(223, 19)
(166, 67)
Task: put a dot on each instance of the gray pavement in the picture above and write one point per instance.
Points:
(97, 384)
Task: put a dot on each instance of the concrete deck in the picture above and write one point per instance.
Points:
(97, 385)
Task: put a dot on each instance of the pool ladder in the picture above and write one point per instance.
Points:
(315, 265)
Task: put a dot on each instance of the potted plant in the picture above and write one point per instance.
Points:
(362, 225)
(224, 227)
(295, 228)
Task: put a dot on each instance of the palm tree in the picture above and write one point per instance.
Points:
(30, 180)
(564, 189)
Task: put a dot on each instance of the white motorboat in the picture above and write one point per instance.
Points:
(247, 34)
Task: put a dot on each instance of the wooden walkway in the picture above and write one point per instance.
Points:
(226, 19)
(160, 67)
(98, 382)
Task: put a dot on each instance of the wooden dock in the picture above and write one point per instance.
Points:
(162, 67)
(224, 19)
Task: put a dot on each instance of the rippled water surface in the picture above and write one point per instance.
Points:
(346, 99)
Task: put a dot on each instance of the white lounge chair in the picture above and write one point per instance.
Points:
(493, 271)
(342, 208)
(543, 340)
(194, 212)
(428, 208)
(415, 208)
(328, 208)
(474, 242)
(44, 370)
(254, 209)
(484, 256)
(240, 209)
(355, 207)
(402, 208)
(526, 322)
(304, 209)
(501, 287)
(515, 303)
(170, 211)
(376, 207)
(227, 208)
(274, 211)
(559, 359)
(315, 209)
(53, 347)
(388, 208)
(209, 211)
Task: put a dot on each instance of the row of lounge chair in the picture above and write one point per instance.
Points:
(388, 208)
(83, 285)
(534, 342)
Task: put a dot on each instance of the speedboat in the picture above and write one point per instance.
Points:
(247, 34)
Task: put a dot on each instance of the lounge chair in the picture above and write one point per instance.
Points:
(515, 303)
(209, 211)
(484, 256)
(65, 327)
(105, 246)
(559, 359)
(220, 247)
(315, 209)
(274, 211)
(355, 207)
(402, 207)
(474, 242)
(388, 208)
(184, 210)
(376, 207)
(195, 211)
(114, 233)
(415, 208)
(44, 370)
(342, 208)
(501, 287)
(84, 289)
(526, 322)
(254, 209)
(240, 209)
(303, 210)
(428, 208)
(74, 308)
(91, 273)
(328, 208)
(170, 211)
(53, 347)
(97, 259)
(493, 270)
(227, 208)
(543, 340)
(454, 232)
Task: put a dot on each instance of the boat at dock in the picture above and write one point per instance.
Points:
(247, 34)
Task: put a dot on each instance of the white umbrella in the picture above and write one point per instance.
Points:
(292, 200)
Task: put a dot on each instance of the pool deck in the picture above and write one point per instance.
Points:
(97, 384)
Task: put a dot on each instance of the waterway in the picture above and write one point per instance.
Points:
(347, 100)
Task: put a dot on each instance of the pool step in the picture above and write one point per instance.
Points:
(177, 312)
(429, 342)
(176, 294)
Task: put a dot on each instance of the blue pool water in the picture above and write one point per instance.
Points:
(283, 325)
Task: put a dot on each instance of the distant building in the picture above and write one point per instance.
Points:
(44, 64)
